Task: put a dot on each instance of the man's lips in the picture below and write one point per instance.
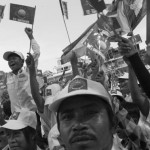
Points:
(82, 138)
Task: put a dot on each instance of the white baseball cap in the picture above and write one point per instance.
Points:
(50, 92)
(21, 119)
(80, 86)
(8, 53)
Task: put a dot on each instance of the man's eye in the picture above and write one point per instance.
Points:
(8, 134)
(66, 117)
(91, 112)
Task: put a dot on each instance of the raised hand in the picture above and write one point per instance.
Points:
(126, 47)
(29, 33)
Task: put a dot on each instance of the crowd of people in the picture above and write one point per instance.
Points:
(84, 113)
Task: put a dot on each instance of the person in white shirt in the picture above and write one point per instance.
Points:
(18, 80)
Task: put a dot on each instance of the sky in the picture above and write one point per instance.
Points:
(48, 30)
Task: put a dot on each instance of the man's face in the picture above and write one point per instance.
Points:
(17, 140)
(15, 62)
(3, 138)
(84, 124)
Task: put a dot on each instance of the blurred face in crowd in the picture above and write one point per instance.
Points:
(3, 138)
(15, 62)
(124, 86)
(17, 140)
(84, 124)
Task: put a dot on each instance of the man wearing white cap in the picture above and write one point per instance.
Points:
(84, 115)
(18, 84)
(21, 130)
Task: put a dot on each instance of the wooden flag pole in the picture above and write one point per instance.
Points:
(64, 21)
(32, 33)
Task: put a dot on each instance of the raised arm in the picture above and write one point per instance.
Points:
(34, 84)
(136, 93)
(128, 50)
(34, 45)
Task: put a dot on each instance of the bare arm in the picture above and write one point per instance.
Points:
(136, 94)
(74, 61)
(34, 84)
(34, 45)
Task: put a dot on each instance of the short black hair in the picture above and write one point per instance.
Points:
(108, 108)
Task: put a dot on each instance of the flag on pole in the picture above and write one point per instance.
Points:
(22, 13)
(87, 8)
(64, 9)
(78, 44)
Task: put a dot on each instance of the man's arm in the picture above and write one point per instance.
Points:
(34, 45)
(128, 50)
(136, 94)
(34, 84)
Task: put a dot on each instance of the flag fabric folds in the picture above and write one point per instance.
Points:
(22, 13)
(87, 8)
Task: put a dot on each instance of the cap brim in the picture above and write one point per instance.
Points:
(14, 125)
(49, 100)
(7, 54)
(55, 105)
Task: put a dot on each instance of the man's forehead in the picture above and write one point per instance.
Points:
(81, 101)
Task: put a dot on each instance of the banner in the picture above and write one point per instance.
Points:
(87, 8)
(22, 13)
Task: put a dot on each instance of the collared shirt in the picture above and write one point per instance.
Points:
(18, 86)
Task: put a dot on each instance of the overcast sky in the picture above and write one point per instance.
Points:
(49, 30)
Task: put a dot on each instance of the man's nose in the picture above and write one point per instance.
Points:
(79, 127)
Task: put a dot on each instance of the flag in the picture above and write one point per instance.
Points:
(134, 10)
(2, 11)
(64, 9)
(99, 5)
(87, 8)
(22, 13)
(117, 11)
(77, 45)
(109, 24)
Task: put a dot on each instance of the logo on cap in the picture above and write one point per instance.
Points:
(14, 116)
(48, 92)
(77, 84)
